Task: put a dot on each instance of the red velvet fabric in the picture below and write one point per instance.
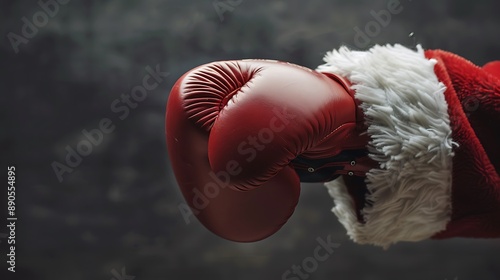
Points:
(493, 68)
(473, 97)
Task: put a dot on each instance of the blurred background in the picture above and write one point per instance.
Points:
(115, 213)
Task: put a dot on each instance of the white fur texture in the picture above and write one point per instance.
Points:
(410, 192)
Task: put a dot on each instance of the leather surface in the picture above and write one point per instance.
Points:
(232, 129)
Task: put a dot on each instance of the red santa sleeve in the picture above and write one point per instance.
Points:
(493, 68)
(433, 120)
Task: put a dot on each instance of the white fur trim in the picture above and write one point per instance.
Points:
(408, 122)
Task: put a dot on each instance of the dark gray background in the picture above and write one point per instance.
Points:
(119, 207)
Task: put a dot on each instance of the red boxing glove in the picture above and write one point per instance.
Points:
(232, 129)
